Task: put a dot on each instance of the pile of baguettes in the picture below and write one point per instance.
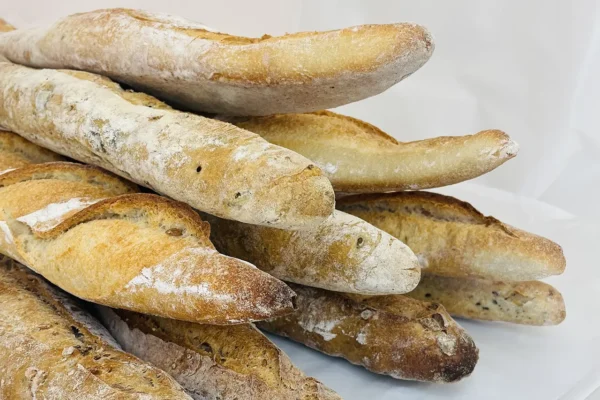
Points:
(179, 294)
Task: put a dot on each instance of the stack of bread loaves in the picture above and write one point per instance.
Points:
(237, 201)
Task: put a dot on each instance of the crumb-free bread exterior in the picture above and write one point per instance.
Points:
(17, 152)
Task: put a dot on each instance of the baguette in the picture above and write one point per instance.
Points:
(211, 165)
(357, 157)
(451, 238)
(51, 349)
(214, 362)
(343, 254)
(190, 65)
(135, 251)
(17, 152)
(529, 303)
(392, 335)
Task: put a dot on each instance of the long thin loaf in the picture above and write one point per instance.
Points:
(360, 158)
(392, 335)
(451, 238)
(189, 64)
(214, 362)
(211, 165)
(51, 349)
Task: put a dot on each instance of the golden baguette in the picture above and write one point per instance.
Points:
(357, 157)
(451, 238)
(392, 335)
(135, 251)
(51, 349)
(211, 165)
(203, 70)
(214, 362)
(529, 303)
(17, 152)
(343, 254)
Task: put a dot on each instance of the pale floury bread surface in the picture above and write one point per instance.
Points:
(360, 158)
(451, 238)
(84, 230)
(184, 62)
(529, 302)
(52, 349)
(214, 362)
(392, 335)
(344, 253)
(17, 152)
(211, 165)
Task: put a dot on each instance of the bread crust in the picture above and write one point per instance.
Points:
(214, 362)
(343, 254)
(183, 62)
(85, 231)
(211, 165)
(529, 303)
(358, 157)
(51, 348)
(451, 238)
(17, 152)
(392, 335)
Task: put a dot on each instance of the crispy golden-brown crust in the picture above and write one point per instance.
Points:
(392, 335)
(17, 152)
(184, 62)
(51, 349)
(529, 302)
(451, 238)
(214, 362)
(360, 158)
(211, 165)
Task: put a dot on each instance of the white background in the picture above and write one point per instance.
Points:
(529, 68)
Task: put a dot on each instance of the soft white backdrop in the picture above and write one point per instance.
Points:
(526, 67)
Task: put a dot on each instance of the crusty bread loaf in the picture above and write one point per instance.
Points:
(214, 362)
(17, 152)
(135, 251)
(343, 254)
(189, 64)
(360, 158)
(451, 238)
(51, 349)
(530, 302)
(392, 335)
(211, 165)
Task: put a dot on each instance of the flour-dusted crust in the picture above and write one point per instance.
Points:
(17, 152)
(51, 349)
(344, 253)
(359, 158)
(214, 362)
(529, 302)
(451, 238)
(393, 335)
(136, 251)
(211, 165)
(185, 63)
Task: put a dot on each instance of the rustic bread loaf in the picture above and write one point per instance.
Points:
(51, 349)
(135, 251)
(392, 335)
(357, 157)
(17, 152)
(451, 238)
(190, 65)
(343, 254)
(530, 302)
(214, 362)
(211, 165)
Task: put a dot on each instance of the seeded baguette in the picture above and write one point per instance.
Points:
(214, 362)
(357, 157)
(343, 254)
(203, 70)
(529, 303)
(451, 238)
(85, 231)
(391, 335)
(17, 152)
(51, 349)
(211, 165)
